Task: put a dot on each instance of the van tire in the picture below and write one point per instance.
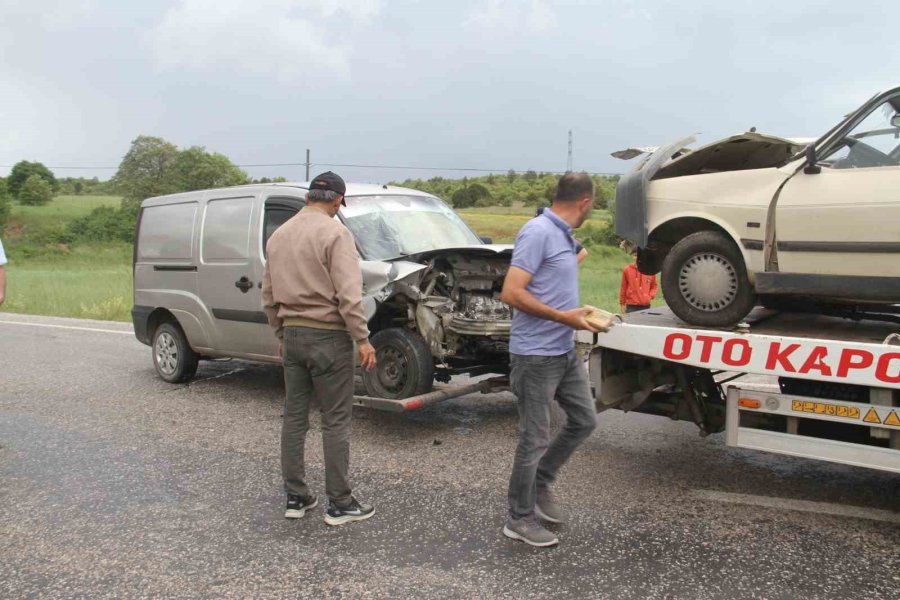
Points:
(173, 357)
(405, 366)
(704, 280)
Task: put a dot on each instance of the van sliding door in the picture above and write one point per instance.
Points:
(229, 276)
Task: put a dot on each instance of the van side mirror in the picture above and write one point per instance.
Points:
(895, 120)
(485, 239)
(811, 167)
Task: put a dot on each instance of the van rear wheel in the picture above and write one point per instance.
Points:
(173, 357)
(405, 366)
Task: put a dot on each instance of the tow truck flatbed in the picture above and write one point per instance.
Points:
(838, 381)
(762, 321)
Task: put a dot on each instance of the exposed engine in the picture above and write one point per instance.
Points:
(459, 312)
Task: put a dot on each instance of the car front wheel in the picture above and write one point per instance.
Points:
(704, 280)
(173, 357)
(405, 366)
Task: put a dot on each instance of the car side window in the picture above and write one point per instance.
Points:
(874, 142)
(278, 212)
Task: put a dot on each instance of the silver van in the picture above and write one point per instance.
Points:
(431, 286)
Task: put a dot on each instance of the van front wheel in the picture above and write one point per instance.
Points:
(173, 357)
(405, 366)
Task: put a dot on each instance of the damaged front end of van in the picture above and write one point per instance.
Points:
(434, 315)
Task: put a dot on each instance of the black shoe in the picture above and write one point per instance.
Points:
(354, 511)
(298, 505)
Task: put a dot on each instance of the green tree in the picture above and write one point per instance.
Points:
(146, 170)
(461, 199)
(36, 191)
(471, 195)
(22, 170)
(197, 169)
(153, 167)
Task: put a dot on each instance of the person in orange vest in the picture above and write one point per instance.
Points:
(637, 290)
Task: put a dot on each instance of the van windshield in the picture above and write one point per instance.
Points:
(391, 226)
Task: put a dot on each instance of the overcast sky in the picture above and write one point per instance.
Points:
(493, 84)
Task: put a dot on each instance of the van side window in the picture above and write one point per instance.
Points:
(278, 212)
(226, 229)
(167, 232)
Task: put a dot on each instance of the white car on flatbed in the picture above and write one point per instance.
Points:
(755, 218)
(838, 397)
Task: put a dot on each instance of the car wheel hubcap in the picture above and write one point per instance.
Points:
(708, 281)
(392, 369)
(166, 352)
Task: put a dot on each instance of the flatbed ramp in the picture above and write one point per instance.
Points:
(838, 396)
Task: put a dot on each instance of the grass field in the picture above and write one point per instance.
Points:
(86, 281)
(26, 220)
(89, 282)
(502, 224)
(95, 282)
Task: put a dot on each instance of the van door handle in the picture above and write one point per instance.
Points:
(243, 284)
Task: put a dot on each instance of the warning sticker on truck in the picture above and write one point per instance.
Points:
(875, 415)
(823, 408)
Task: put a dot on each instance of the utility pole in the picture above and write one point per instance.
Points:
(307, 164)
(569, 162)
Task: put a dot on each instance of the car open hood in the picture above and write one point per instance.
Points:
(740, 152)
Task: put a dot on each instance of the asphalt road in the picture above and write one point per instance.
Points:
(115, 484)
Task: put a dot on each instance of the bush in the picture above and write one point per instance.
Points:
(23, 170)
(598, 236)
(104, 224)
(36, 191)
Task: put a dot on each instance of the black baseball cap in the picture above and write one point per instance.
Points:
(329, 182)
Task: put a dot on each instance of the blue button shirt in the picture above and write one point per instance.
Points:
(545, 248)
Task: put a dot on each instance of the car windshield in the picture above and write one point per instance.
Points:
(390, 226)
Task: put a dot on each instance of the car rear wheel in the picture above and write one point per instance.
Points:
(173, 357)
(704, 280)
(405, 365)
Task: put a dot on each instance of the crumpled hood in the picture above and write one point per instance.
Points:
(380, 277)
(485, 250)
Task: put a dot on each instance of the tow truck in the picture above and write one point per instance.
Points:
(837, 396)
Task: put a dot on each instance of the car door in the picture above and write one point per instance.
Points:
(228, 275)
(842, 218)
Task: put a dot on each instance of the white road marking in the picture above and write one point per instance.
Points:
(66, 327)
(819, 508)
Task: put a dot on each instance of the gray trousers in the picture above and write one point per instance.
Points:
(317, 363)
(537, 381)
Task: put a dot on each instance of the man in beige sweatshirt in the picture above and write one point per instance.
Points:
(312, 296)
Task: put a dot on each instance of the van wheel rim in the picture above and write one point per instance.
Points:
(393, 369)
(166, 353)
(708, 282)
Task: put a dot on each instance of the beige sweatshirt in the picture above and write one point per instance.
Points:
(312, 276)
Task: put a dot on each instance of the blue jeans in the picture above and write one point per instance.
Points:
(537, 381)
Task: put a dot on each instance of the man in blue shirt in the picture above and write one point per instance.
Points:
(542, 288)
